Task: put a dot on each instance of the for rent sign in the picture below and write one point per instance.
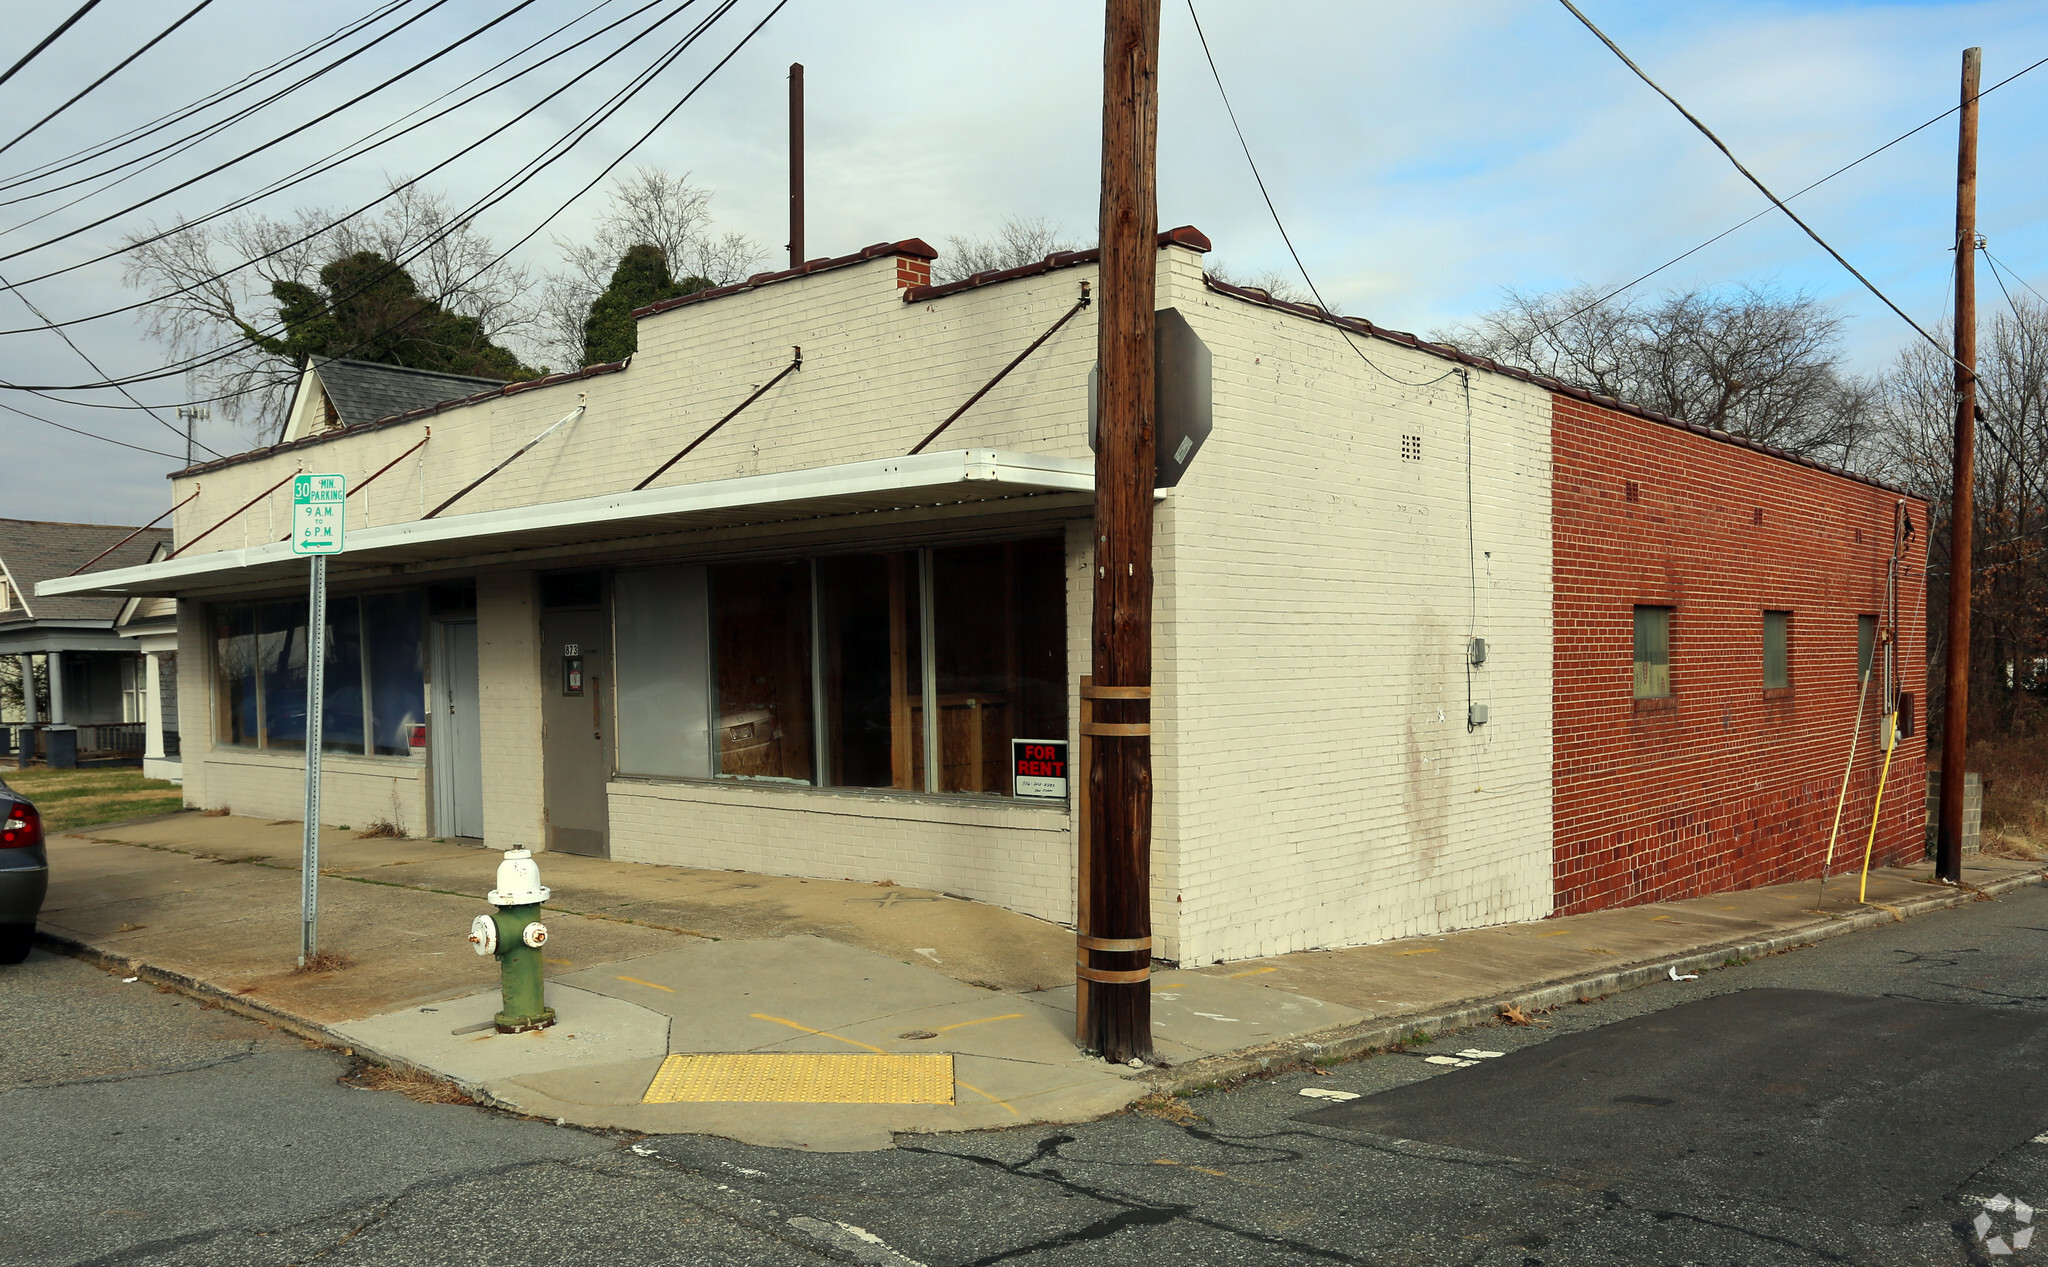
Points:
(1038, 768)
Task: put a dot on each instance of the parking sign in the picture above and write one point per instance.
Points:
(319, 508)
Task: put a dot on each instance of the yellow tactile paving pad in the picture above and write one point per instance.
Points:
(803, 1078)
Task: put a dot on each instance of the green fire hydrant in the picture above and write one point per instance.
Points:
(515, 935)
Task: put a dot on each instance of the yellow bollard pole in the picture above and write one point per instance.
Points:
(1891, 734)
(1842, 797)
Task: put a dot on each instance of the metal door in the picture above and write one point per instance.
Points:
(454, 733)
(576, 714)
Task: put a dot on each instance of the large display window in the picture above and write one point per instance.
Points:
(375, 674)
(818, 672)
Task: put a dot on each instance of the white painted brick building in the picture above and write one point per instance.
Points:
(1362, 510)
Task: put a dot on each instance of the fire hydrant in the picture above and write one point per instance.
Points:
(515, 935)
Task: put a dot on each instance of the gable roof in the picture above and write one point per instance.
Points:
(365, 391)
(34, 551)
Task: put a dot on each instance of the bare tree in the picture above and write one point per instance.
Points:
(2009, 570)
(1279, 285)
(216, 281)
(652, 208)
(1754, 361)
(1019, 240)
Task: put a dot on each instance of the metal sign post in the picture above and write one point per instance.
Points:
(319, 510)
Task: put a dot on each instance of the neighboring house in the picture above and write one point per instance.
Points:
(152, 623)
(334, 393)
(70, 649)
(802, 650)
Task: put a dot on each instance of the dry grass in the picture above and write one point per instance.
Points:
(410, 1083)
(2015, 796)
(1167, 1108)
(325, 961)
(382, 829)
(71, 799)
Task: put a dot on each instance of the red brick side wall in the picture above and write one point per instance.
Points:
(1721, 787)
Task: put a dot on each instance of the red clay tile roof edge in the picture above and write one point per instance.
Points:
(1186, 235)
(1361, 326)
(424, 411)
(916, 248)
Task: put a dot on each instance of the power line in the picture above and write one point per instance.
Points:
(209, 130)
(1683, 255)
(325, 165)
(1989, 430)
(171, 118)
(217, 168)
(154, 41)
(84, 356)
(1777, 202)
(49, 39)
(185, 145)
(1998, 264)
(504, 190)
(90, 435)
(1275, 211)
(499, 193)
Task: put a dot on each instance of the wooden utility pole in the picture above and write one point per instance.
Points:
(1115, 951)
(1955, 720)
(796, 164)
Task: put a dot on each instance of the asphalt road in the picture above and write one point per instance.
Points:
(1854, 1102)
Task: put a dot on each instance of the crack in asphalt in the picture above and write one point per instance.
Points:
(1131, 1211)
(381, 1207)
(135, 1074)
(1616, 1200)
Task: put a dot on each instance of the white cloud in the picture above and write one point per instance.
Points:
(1423, 156)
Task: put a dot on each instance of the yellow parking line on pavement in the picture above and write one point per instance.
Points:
(649, 984)
(986, 1096)
(1428, 950)
(1562, 932)
(1010, 1016)
(763, 1016)
(1253, 973)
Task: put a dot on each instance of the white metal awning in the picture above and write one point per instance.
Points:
(928, 479)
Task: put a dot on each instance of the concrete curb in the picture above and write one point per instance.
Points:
(1382, 1032)
(1327, 1045)
(254, 1009)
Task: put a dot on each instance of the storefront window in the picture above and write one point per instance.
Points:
(817, 671)
(663, 672)
(281, 673)
(234, 659)
(1000, 619)
(341, 724)
(870, 649)
(374, 651)
(394, 670)
(761, 647)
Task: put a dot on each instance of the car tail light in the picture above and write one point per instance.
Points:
(20, 827)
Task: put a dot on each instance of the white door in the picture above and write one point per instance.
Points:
(453, 734)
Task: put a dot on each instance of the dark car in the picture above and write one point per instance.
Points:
(24, 874)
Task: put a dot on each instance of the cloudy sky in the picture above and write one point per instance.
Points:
(1424, 156)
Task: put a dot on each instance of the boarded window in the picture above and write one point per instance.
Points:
(1866, 644)
(1653, 652)
(1777, 650)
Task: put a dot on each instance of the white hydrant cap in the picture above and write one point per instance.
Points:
(518, 881)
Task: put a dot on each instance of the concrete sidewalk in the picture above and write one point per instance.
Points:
(647, 961)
